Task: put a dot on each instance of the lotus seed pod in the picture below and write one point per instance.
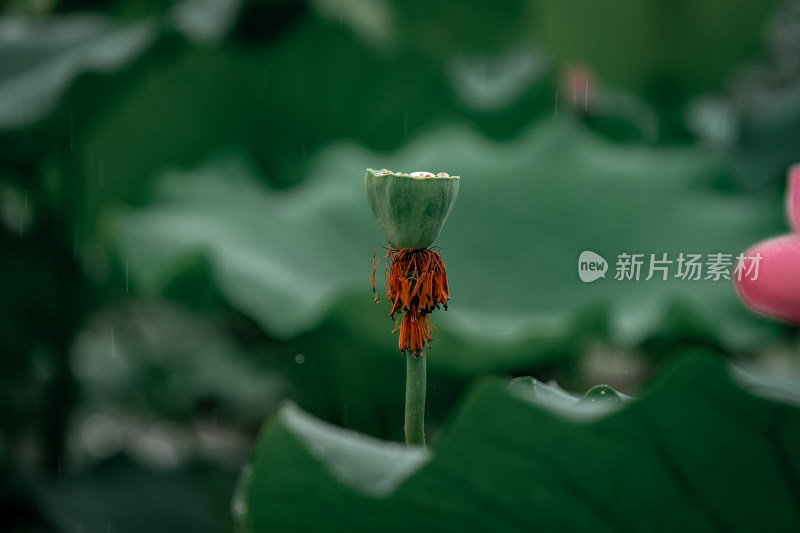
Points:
(410, 209)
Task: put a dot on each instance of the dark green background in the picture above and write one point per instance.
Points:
(185, 240)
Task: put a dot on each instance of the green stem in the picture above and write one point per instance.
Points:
(415, 399)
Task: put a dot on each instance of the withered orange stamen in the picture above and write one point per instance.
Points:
(416, 284)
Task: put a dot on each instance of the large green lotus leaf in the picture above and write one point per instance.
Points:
(695, 453)
(526, 210)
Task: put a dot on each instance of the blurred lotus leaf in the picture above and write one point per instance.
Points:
(527, 210)
(43, 58)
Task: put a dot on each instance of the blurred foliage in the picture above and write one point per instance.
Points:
(448, 27)
(608, 199)
(665, 52)
(185, 241)
(695, 452)
(135, 499)
(167, 361)
(756, 117)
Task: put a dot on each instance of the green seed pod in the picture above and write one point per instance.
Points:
(410, 209)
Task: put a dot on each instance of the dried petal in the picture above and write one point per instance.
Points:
(414, 281)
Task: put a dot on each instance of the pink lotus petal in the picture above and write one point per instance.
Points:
(776, 291)
(793, 197)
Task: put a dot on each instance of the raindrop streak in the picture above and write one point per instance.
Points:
(71, 130)
(19, 108)
(340, 19)
(126, 276)
(113, 347)
(574, 91)
(405, 121)
(586, 96)
(556, 111)
(724, 123)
